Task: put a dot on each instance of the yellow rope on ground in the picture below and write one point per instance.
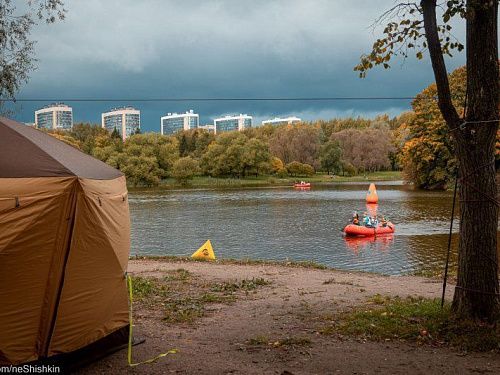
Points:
(129, 356)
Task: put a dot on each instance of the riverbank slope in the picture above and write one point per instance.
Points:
(271, 319)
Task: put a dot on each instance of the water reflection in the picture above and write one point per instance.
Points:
(372, 209)
(363, 244)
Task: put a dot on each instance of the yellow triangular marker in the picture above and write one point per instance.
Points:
(204, 252)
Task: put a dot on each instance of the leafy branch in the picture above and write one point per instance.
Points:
(404, 31)
(17, 57)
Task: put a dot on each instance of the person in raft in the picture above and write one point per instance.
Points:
(383, 221)
(355, 218)
(367, 222)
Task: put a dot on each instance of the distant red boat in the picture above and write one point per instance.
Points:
(358, 230)
(302, 185)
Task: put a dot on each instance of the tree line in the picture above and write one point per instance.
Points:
(339, 146)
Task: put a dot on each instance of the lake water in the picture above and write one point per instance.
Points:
(284, 223)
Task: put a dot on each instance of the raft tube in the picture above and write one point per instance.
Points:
(306, 185)
(361, 231)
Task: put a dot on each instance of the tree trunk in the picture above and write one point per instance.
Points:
(477, 292)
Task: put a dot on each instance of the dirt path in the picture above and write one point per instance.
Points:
(275, 330)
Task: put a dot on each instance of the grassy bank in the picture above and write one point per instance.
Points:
(413, 319)
(263, 181)
(244, 262)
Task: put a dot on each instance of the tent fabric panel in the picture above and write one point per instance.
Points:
(111, 207)
(34, 187)
(60, 154)
(30, 237)
(94, 301)
(21, 158)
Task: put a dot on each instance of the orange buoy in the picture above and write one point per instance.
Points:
(371, 196)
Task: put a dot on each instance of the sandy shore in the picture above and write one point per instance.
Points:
(290, 308)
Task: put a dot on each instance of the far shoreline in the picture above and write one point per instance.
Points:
(211, 183)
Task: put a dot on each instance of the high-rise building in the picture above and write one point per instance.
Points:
(282, 121)
(54, 116)
(173, 122)
(227, 123)
(126, 121)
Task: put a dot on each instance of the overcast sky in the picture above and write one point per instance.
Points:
(225, 48)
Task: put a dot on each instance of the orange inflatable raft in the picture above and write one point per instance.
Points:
(361, 231)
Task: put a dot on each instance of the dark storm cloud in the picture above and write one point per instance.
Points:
(145, 49)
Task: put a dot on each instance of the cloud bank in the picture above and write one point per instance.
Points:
(162, 48)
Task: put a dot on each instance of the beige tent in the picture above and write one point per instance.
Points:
(64, 246)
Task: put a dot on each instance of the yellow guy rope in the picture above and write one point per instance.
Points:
(129, 355)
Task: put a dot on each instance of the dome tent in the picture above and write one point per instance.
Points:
(64, 247)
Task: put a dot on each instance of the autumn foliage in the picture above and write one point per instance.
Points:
(427, 154)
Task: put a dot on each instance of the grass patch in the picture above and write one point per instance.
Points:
(179, 274)
(145, 287)
(183, 310)
(289, 263)
(183, 297)
(217, 298)
(431, 274)
(245, 285)
(293, 341)
(419, 320)
(306, 264)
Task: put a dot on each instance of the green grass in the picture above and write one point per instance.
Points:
(183, 310)
(288, 263)
(216, 298)
(262, 181)
(413, 319)
(143, 287)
